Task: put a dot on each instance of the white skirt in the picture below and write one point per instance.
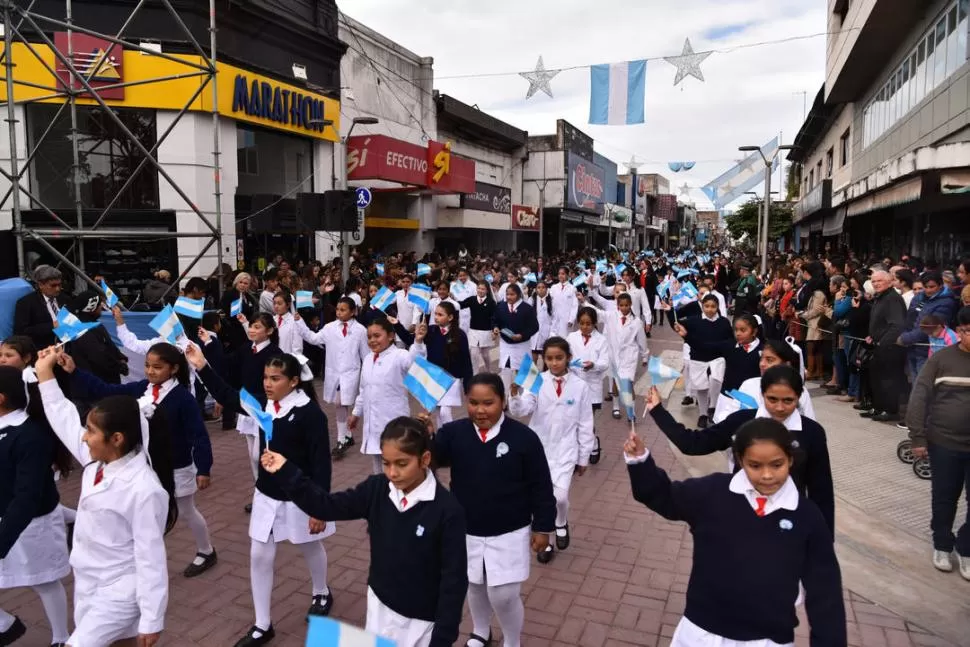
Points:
(246, 425)
(480, 338)
(185, 484)
(499, 560)
(387, 623)
(687, 634)
(39, 555)
(104, 614)
(282, 521)
(452, 398)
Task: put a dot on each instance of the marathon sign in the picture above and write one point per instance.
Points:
(524, 218)
(269, 101)
(586, 184)
(379, 157)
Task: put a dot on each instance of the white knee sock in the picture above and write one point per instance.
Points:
(341, 414)
(481, 609)
(69, 514)
(54, 599)
(507, 602)
(562, 506)
(252, 444)
(478, 359)
(316, 560)
(715, 392)
(703, 401)
(261, 559)
(378, 464)
(444, 416)
(7, 620)
(196, 522)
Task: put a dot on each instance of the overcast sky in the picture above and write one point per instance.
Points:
(750, 94)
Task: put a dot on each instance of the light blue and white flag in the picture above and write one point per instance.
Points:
(746, 175)
(420, 295)
(325, 632)
(627, 399)
(663, 288)
(255, 410)
(304, 299)
(618, 270)
(423, 269)
(660, 372)
(616, 93)
(427, 382)
(167, 325)
(191, 308)
(681, 274)
(235, 308)
(110, 298)
(528, 376)
(489, 278)
(380, 269)
(580, 280)
(686, 293)
(69, 327)
(576, 363)
(745, 400)
(531, 278)
(383, 298)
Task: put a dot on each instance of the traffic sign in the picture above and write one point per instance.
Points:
(364, 197)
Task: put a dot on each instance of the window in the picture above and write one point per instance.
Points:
(939, 54)
(247, 154)
(107, 158)
(844, 148)
(829, 161)
(818, 172)
(811, 180)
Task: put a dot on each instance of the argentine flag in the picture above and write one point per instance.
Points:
(110, 298)
(382, 299)
(304, 299)
(745, 400)
(528, 376)
(380, 268)
(427, 382)
(627, 399)
(618, 270)
(325, 632)
(235, 308)
(601, 266)
(686, 293)
(616, 93)
(580, 280)
(660, 372)
(69, 327)
(254, 410)
(530, 278)
(167, 325)
(423, 269)
(191, 308)
(420, 295)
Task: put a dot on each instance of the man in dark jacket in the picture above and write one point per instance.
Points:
(934, 301)
(887, 367)
(36, 314)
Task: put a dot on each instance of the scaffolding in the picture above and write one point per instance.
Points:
(79, 84)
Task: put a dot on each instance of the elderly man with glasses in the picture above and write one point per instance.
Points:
(36, 313)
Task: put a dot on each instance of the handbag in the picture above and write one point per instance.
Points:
(860, 357)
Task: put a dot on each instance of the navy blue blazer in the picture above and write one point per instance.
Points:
(523, 321)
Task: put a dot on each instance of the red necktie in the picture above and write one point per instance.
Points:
(376, 356)
(155, 389)
(761, 501)
(254, 349)
(404, 502)
(279, 321)
(345, 330)
(99, 475)
(585, 340)
(276, 407)
(483, 433)
(623, 320)
(558, 386)
(745, 347)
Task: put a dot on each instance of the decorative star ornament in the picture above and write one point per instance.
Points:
(685, 190)
(539, 79)
(688, 63)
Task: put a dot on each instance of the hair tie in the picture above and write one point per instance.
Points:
(29, 376)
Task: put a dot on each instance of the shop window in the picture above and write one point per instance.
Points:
(107, 158)
(247, 155)
(844, 148)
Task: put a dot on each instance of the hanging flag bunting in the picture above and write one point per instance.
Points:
(617, 92)
(746, 175)
(674, 166)
(688, 165)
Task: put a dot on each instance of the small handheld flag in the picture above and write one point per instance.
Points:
(69, 327)
(576, 363)
(660, 372)
(618, 270)
(304, 299)
(601, 266)
(580, 280)
(167, 325)
(745, 400)
(325, 632)
(627, 398)
(664, 288)
(528, 376)
(110, 298)
(489, 278)
(427, 382)
(191, 308)
(530, 278)
(254, 410)
(687, 292)
(380, 269)
(681, 274)
(423, 269)
(382, 299)
(420, 295)
(235, 308)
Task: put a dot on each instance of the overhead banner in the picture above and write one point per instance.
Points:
(733, 184)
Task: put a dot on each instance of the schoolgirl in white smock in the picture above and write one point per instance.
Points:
(383, 396)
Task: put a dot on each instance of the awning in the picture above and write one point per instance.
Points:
(815, 226)
(955, 182)
(833, 222)
(902, 193)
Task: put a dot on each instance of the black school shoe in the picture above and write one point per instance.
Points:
(482, 642)
(545, 556)
(687, 401)
(340, 449)
(702, 422)
(14, 633)
(594, 456)
(320, 606)
(256, 637)
(208, 561)
(562, 541)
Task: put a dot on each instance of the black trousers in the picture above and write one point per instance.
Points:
(887, 375)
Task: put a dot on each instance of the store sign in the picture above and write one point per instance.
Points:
(100, 62)
(379, 157)
(587, 184)
(264, 99)
(524, 218)
(488, 197)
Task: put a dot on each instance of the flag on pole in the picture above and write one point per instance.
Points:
(749, 173)
(167, 325)
(110, 298)
(601, 266)
(427, 382)
(686, 293)
(576, 363)
(69, 327)
(681, 274)
(663, 288)
(235, 308)
(616, 93)
(423, 269)
(745, 400)
(528, 376)
(304, 299)
(420, 295)
(325, 632)
(627, 399)
(618, 270)
(254, 410)
(191, 308)
(383, 298)
(660, 372)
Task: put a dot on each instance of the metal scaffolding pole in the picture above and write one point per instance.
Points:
(216, 138)
(12, 133)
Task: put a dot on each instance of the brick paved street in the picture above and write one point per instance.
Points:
(621, 583)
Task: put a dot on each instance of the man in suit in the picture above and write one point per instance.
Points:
(36, 314)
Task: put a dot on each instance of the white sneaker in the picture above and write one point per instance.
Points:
(943, 562)
(964, 563)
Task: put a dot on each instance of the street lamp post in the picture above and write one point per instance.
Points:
(763, 235)
(760, 215)
(345, 236)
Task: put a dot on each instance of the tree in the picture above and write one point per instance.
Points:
(745, 221)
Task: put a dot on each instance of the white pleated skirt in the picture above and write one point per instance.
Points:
(504, 559)
(282, 521)
(185, 484)
(39, 555)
